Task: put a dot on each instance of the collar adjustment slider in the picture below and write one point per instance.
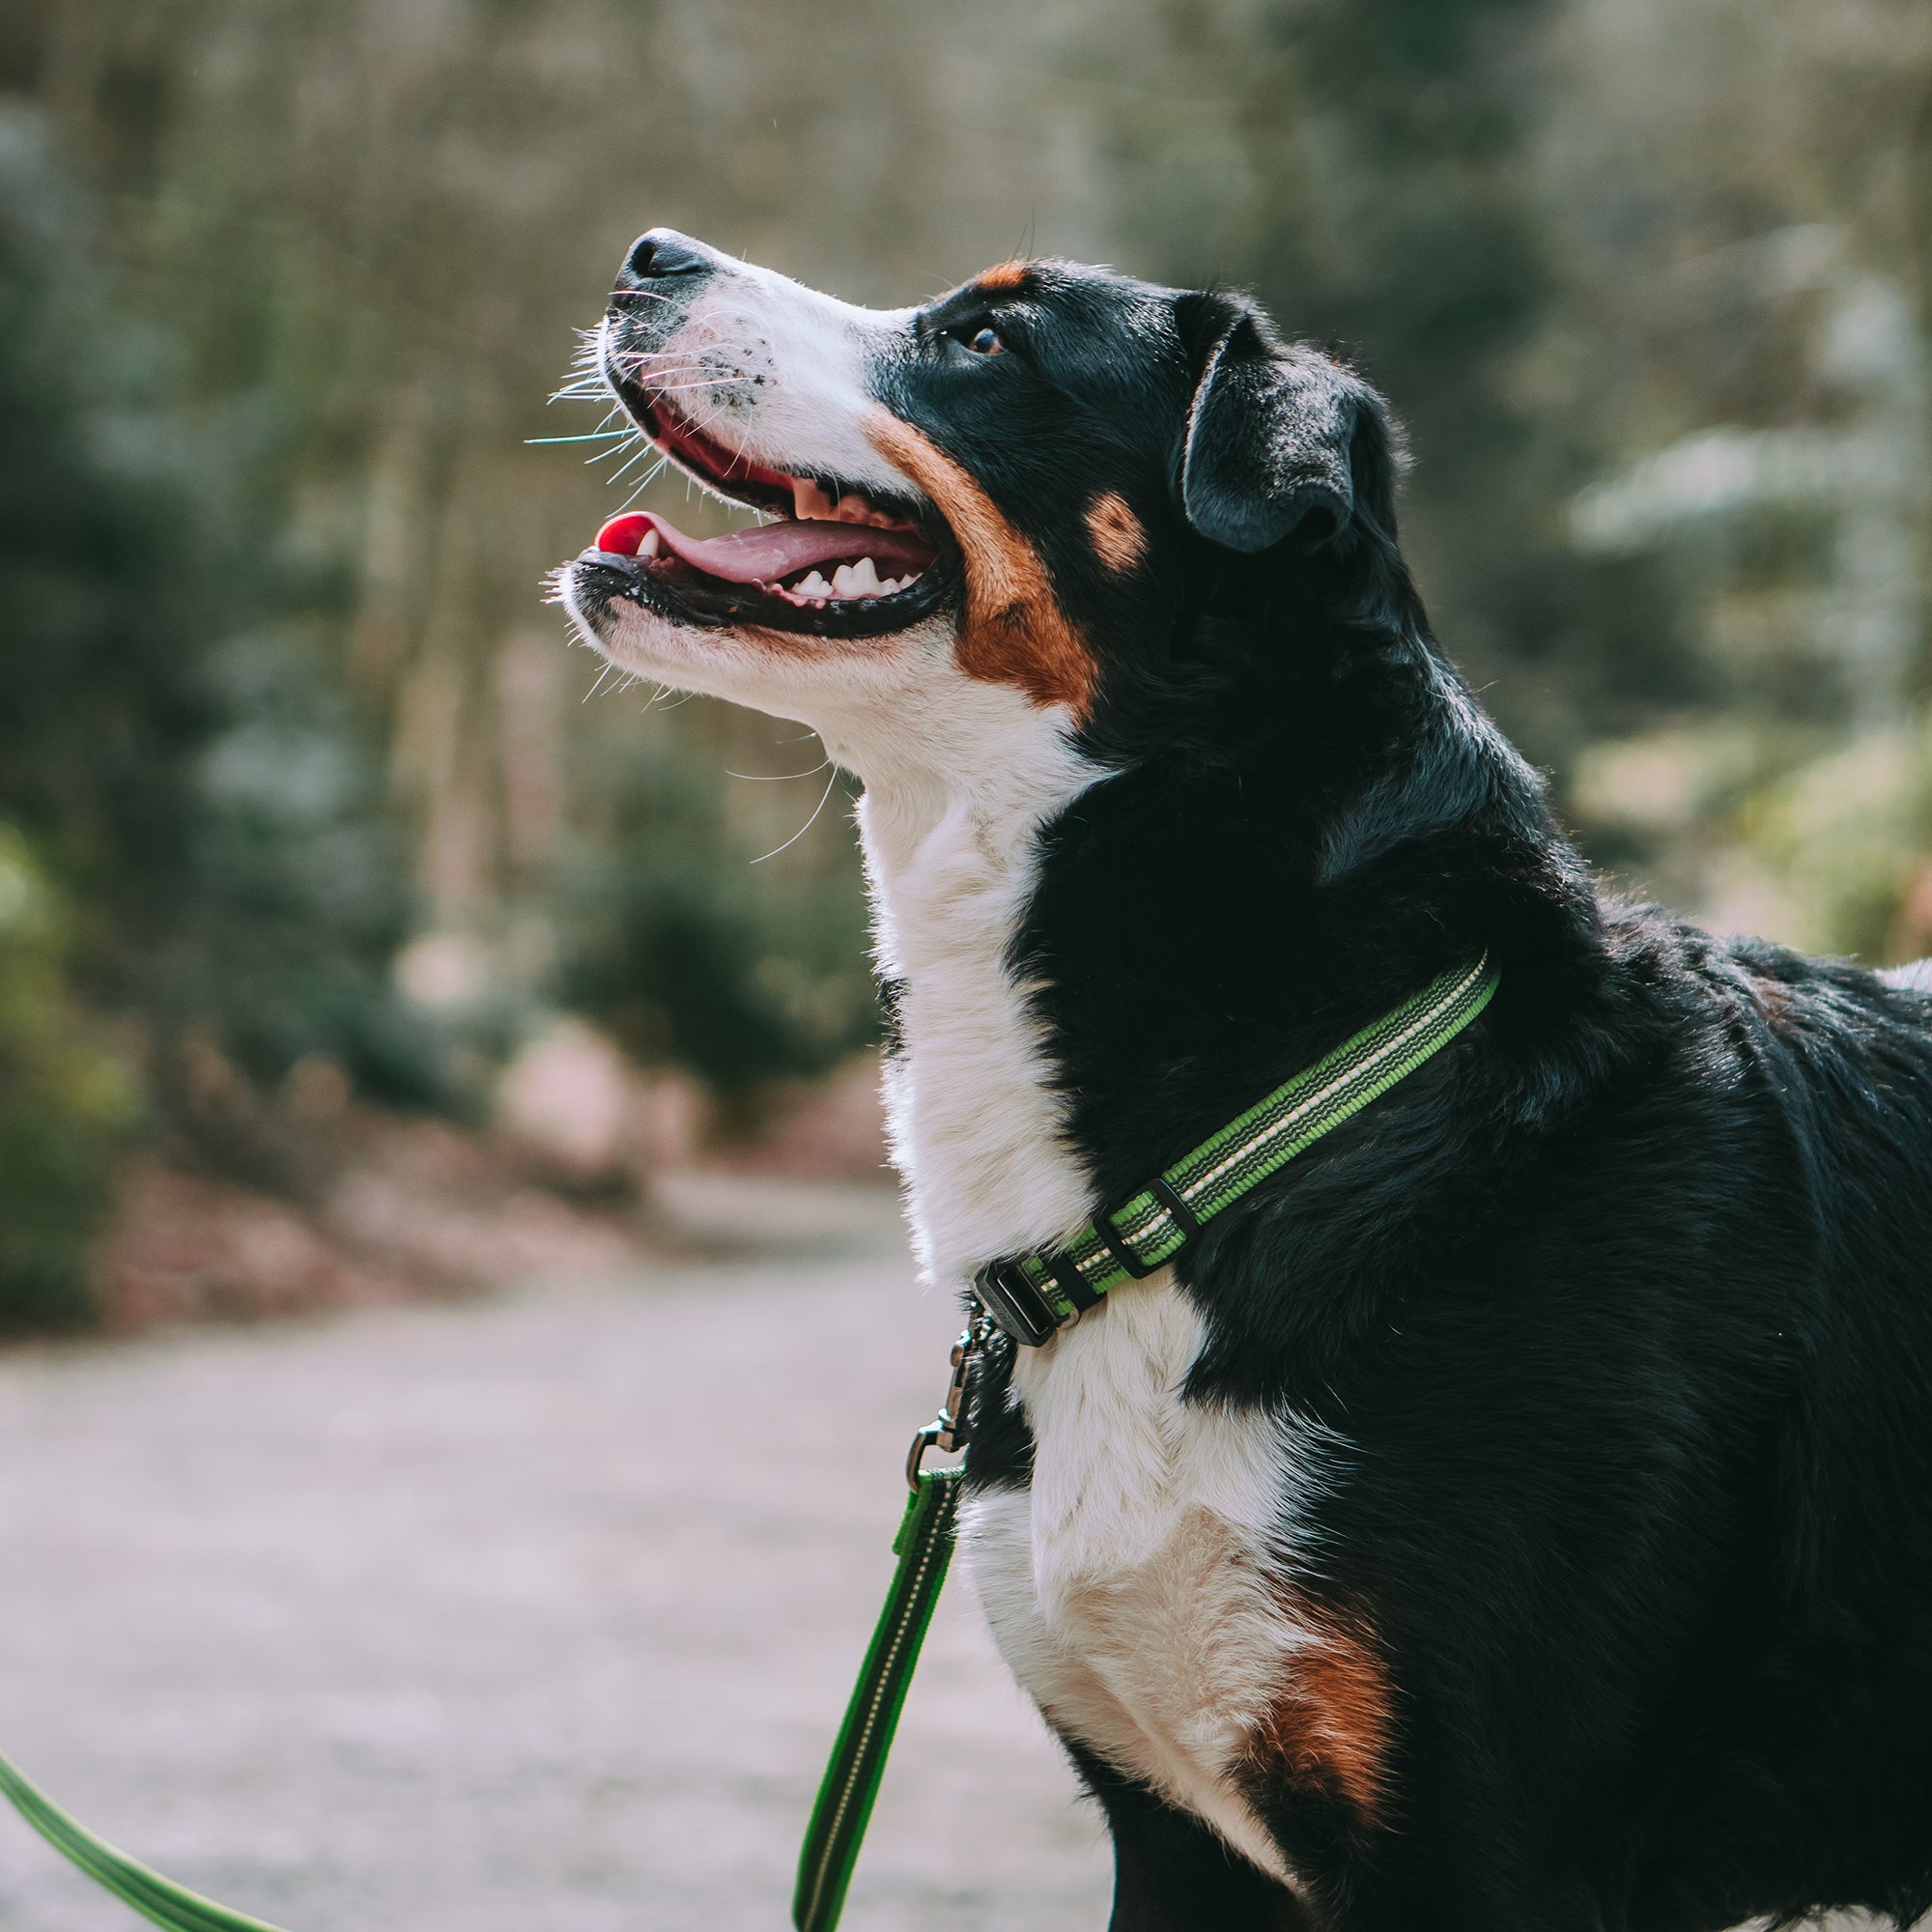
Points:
(1015, 1303)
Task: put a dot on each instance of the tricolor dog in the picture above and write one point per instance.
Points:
(1516, 1514)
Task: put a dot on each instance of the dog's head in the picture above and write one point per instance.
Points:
(1031, 492)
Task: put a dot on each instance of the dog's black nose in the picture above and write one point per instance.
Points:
(665, 253)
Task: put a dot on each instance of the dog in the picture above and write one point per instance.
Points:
(1516, 1512)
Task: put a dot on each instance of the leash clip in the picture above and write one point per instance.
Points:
(950, 1429)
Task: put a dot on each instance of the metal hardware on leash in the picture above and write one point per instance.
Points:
(953, 1428)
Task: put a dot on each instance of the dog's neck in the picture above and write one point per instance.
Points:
(975, 1108)
(1093, 971)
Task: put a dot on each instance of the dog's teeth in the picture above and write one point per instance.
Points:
(845, 582)
(649, 546)
(813, 586)
(865, 578)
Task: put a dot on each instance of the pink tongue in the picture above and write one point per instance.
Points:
(772, 550)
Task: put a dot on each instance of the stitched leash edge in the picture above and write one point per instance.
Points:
(850, 1786)
(138, 1887)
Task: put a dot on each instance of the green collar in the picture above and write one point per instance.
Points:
(1032, 1296)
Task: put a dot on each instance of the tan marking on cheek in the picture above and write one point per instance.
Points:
(1016, 631)
(1006, 276)
(1118, 540)
(1330, 1723)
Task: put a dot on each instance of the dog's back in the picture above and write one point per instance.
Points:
(1803, 1774)
(1730, 1257)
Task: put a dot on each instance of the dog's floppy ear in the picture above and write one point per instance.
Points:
(1271, 434)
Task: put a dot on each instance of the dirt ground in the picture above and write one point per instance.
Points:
(538, 1611)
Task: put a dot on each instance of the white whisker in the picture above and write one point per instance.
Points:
(778, 778)
(637, 458)
(806, 827)
(650, 477)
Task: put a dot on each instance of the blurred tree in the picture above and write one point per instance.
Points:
(167, 734)
(102, 711)
(1733, 200)
(688, 955)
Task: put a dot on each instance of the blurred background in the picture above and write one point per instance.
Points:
(361, 946)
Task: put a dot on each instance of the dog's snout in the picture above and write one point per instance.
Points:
(664, 255)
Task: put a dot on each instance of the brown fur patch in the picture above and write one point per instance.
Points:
(1118, 540)
(1016, 631)
(1005, 278)
(1328, 1726)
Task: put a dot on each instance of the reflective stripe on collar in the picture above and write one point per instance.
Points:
(1035, 1294)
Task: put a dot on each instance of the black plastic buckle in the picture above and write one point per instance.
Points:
(1179, 1211)
(1015, 1303)
(1114, 1243)
(1070, 1281)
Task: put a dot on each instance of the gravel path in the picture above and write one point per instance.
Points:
(536, 1613)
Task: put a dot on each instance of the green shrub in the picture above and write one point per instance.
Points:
(65, 1109)
(690, 953)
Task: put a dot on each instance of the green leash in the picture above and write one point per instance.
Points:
(170, 1905)
(843, 1807)
(1031, 1297)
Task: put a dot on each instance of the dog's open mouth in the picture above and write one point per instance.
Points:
(835, 561)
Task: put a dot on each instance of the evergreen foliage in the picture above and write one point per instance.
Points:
(172, 730)
(66, 1109)
(692, 951)
(195, 833)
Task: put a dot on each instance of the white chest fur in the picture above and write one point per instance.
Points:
(1129, 1589)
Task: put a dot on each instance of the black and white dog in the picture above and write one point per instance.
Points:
(1516, 1514)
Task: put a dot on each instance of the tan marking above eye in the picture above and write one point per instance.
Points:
(1331, 1720)
(1118, 539)
(1006, 275)
(1015, 630)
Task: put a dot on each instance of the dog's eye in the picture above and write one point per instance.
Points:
(984, 340)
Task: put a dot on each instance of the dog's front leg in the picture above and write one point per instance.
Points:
(1172, 1874)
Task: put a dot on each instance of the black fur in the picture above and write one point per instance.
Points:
(1623, 1303)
